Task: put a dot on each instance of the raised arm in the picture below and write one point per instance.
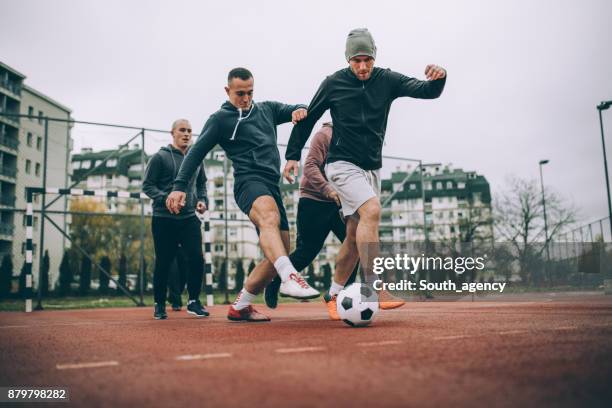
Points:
(286, 113)
(430, 89)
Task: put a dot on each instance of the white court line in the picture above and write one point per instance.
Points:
(379, 343)
(460, 336)
(513, 332)
(86, 365)
(189, 357)
(299, 349)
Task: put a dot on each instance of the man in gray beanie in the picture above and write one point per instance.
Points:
(359, 98)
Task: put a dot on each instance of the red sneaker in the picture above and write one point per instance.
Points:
(247, 314)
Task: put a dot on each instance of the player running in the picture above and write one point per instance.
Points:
(359, 98)
(247, 133)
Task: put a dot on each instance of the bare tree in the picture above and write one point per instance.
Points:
(519, 220)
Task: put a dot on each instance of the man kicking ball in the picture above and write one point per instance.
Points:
(359, 98)
(247, 133)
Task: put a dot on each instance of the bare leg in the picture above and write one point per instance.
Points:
(348, 256)
(367, 234)
(264, 272)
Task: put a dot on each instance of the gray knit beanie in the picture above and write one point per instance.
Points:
(360, 42)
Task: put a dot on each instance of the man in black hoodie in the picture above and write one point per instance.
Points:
(247, 133)
(359, 98)
(183, 228)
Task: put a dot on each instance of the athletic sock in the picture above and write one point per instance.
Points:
(284, 267)
(335, 288)
(243, 300)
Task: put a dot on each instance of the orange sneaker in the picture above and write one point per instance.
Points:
(388, 302)
(330, 302)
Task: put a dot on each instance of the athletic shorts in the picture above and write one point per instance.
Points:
(247, 191)
(353, 184)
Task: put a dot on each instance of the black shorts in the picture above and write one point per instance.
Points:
(247, 191)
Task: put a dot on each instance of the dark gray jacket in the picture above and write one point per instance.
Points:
(359, 111)
(159, 178)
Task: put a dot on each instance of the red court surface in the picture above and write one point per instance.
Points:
(556, 351)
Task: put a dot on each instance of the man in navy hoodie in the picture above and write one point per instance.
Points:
(173, 229)
(247, 133)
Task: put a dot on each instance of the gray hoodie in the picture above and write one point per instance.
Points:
(159, 178)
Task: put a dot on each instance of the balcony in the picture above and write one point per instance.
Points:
(10, 86)
(7, 200)
(8, 171)
(7, 117)
(6, 229)
(9, 142)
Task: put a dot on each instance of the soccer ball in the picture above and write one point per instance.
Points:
(357, 305)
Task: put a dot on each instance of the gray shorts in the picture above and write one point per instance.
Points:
(354, 185)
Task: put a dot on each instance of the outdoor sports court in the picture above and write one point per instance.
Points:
(552, 351)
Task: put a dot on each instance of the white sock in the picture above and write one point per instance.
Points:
(243, 300)
(284, 267)
(335, 288)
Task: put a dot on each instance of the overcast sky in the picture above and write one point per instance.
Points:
(524, 76)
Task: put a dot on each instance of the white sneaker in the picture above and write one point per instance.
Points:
(297, 288)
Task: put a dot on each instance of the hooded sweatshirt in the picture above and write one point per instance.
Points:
(359, 111)
(249, 142)
(159, 178)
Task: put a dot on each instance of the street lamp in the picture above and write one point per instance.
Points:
(543, 162)
(604, 106)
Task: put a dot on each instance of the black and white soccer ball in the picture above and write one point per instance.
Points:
(357, 305)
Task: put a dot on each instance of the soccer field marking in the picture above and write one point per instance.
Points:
(299, 350)
(191, 357)
(379, 343)
(503, 333)
(76, 366)
(459, 336)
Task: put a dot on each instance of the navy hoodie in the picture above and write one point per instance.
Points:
(250, 143)
(159, 178)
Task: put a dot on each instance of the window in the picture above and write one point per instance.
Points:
(28, 166)
(449, 184)
(111, 163)
(37, 169)
(29, 139)
(233, 247)
(98, 162)
(439, 185)
(38, 143)
(461, 185)
(40, 117)
(31, 112)
(85, 165)
(428, 185)
(232, 216)
(76, 165)
(412, 186)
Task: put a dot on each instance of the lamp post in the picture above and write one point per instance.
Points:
(604, 106)
(543, 162)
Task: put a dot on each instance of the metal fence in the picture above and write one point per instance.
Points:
(113, 229)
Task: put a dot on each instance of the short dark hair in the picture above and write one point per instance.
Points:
(239, 72)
